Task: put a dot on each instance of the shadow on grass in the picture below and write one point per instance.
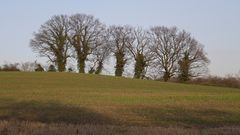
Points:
(189, 118)
(49, 112)
(55, 112)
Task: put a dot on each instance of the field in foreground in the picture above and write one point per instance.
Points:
(101, 100)
(36, 128)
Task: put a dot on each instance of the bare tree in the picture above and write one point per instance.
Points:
(120, 36)
(51, 41)
(193, 60)
(85, 37)
(27, 66)
(166, 46)
(10, 67)
(140, 51)
(100, 55)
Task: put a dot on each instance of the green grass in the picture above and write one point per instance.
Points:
(93, 99)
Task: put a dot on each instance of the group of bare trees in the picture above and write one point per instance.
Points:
(177, 52)
(169, 51)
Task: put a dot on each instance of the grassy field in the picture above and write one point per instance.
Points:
(36, 128)
(103, 100)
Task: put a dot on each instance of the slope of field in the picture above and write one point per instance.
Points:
(94, 99)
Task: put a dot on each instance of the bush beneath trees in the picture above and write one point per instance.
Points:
(229, 81)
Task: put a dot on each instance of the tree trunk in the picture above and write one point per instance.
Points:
(139, 66)
(81, 65)
(99, 68)
(166, 76)
(61, 64)
(120, 63)
(184, 66)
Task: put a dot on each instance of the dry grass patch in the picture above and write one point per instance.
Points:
(36, 128)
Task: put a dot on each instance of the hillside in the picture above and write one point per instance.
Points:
(94, 99)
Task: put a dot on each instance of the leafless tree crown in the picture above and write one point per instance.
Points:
(165, 50)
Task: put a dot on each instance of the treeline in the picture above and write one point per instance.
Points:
(157, 52)
(10, 67)
(27, 67)
(227, 81)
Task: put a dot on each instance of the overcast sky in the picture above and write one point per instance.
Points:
(214, 23)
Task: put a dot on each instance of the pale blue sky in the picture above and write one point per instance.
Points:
(215, 23)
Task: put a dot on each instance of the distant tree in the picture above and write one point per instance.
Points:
(10, 67)
(27, 66)
(98, 60)
(100, 55)
(167, 45)
(140, 51)
(176, 52)
(193, 60)
(85, 36)
(52, 68)
(39, 68)
(52, 41)
(120, 36)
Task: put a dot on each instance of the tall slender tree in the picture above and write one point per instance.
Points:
(100, 55)
(140, 51)
(85, 36)
(120, 36)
